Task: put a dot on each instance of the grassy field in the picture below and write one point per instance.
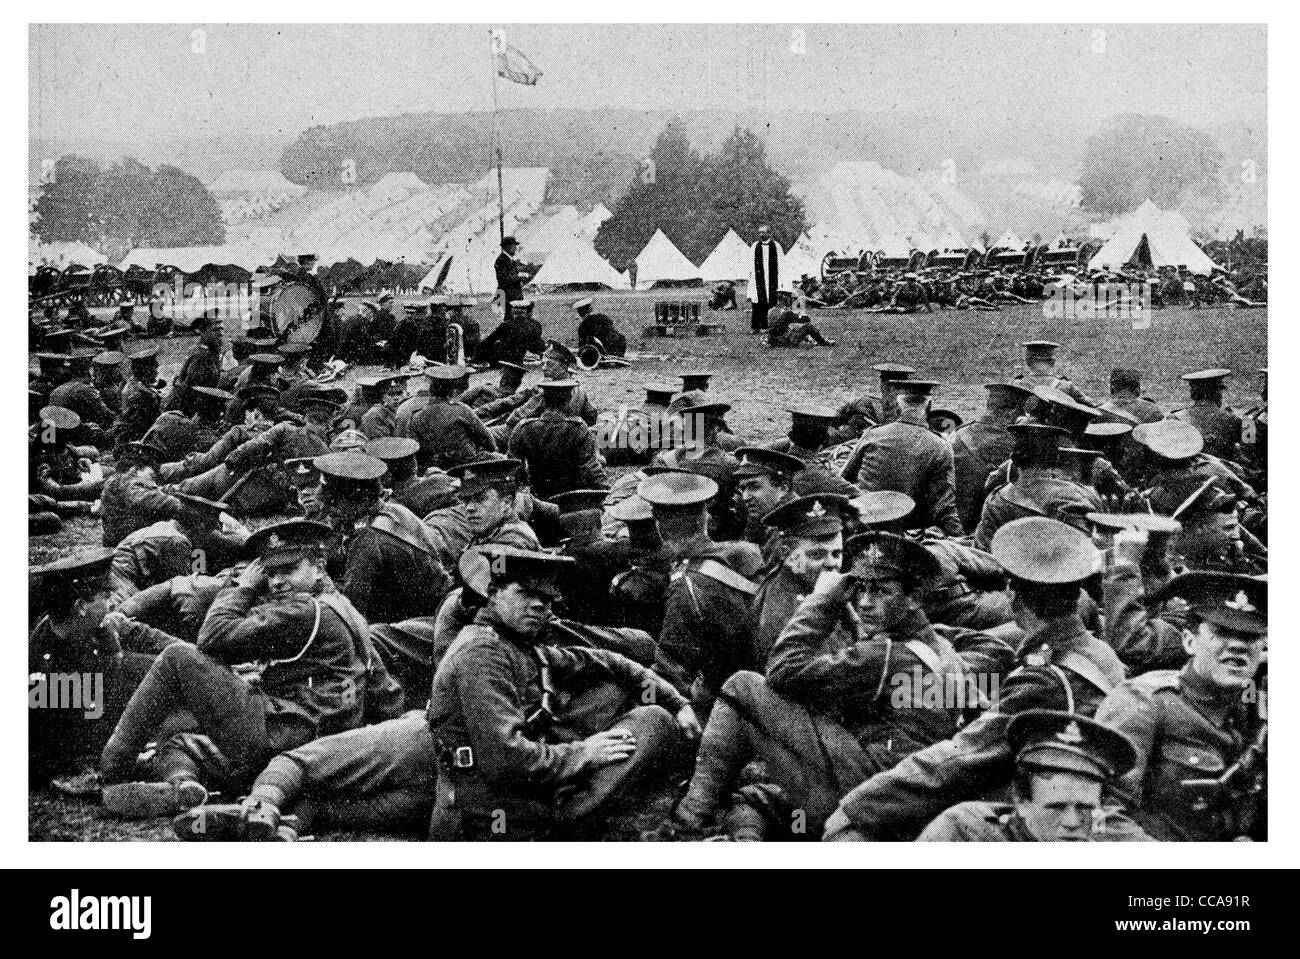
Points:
(960, 350)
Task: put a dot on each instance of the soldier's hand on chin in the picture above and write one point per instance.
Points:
(689, 723)
(609, 747)
(834, 585)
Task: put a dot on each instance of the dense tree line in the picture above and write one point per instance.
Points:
(126, 204)
(696, 198)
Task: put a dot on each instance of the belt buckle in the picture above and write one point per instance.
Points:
(462, 757)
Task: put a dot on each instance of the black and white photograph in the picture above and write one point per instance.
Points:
(690, 433)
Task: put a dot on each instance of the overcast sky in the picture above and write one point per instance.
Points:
(121, 81)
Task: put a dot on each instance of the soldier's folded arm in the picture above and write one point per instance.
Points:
(982, 652)
(650, 687)
(495, 717)
(140, 636)
(797, 670)
(236, 631)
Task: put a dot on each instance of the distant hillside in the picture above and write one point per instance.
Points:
(205, 157)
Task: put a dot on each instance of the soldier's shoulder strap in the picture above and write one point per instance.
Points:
(724, 574)
(1083, 667)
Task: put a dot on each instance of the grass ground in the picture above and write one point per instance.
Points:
(960, 350)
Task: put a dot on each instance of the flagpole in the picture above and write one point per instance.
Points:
(496, 143)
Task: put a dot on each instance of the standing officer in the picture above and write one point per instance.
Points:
(1064, 763)
(533, 737)
(507, 272)
(1040, 370)
(558, 451)
(213, 725)
(391, 569)
(1220, 428)
(1201, 731)
(905, 456)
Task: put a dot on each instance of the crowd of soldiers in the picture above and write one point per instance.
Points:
(926, 289)
(460, 606)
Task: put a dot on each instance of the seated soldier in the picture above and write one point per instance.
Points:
(390, 565)
(788, 329)
(213, 726)
(850, 689)
(1064, 762)
(1201, 731)
(534, 738)
(57, 468)
(599, 330)
(67, 643)
(200, 537)
(132, 498)
(764, 481)
(487, 495)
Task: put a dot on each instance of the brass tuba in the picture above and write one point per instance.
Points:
(455, 344)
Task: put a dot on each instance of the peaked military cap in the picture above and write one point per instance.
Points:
(287, 542)
(257, 391)
(809, 516)
(480, 475)
(446, 373)
(1235, 602)
(349, 441)
(879, 507)
(268, 360)
(1041, 550)
(1108, 430)
(392, 449)
(1207, 376)
(292, 351)
(1040, 347)
(1063, 401)
(112, 336)
(1037, 442)
(212, 395)
(696, 381)
(536, 571)
(581, 304)
(695, 401)
(580, 500)
(1143, 522)
(631, 510)
(50, 362)
(110, 358)
(911, 387)
(1050, 740)
(302, 472)
(938, 415)
(1172, 439)
(85, 566)
(62, 419)
(814, 480)
(144, 355)
(893, 371)
(877, 555)
(350, 472)
(813, 414)
(659, 394)
(506, 364)
(674, 490)
(758, 461)
(558, 386)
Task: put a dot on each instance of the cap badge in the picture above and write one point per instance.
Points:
(274, 541)
(1071, 734)
(874, 555)
(817, 511)
(1241, 603)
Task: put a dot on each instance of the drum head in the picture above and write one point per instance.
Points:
(296, 313)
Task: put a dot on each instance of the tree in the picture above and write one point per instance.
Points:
(696, 200)
(65, 208)
(1135, 157)
(128, 204)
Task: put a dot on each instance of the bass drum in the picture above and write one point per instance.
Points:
(296, 312)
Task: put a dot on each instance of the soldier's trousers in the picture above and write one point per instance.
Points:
(379, 777)
(210, 724)
(657, 738)
(814, 760)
